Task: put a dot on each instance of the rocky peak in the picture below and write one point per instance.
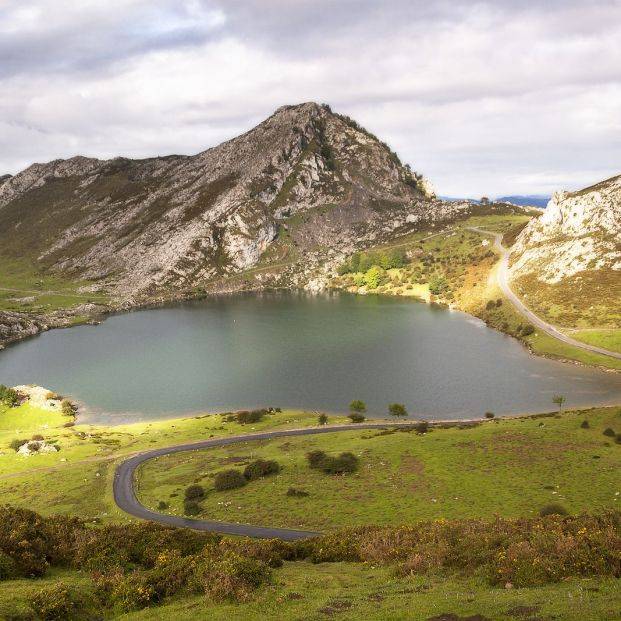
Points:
(578, 231)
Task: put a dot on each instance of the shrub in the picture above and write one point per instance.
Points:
(585, 424)
(37, 437)
(609, 432)
(68, 408)
(8, 396)
(397, 409)
(229, 479)
(132, 592)
(315, 458)
(17, 444)
(297, 493)
(55, 603)
(345, 462)
(244, 417)
(191, 507)
(194, 492)
(232, 577)
(8, 569)
(323, 419)
(528, 329)
(374, 277)
(422, 426)
(489, 415)
(552, 509)
(261, 468)
(356, 417)
(618, 438)
(490, 305)
(161, 505)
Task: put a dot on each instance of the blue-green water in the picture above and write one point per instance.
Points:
(299, 351)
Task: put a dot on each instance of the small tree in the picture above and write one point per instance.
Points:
(229, 479)
(323, 419)
(358, 406)
(8, 396)
(559, 400)
(194, 492)
(397, 409)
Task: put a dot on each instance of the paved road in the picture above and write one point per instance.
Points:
(125, 496)
(503, 282)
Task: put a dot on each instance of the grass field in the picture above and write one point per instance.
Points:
(25, 288)
(77, 480)
(354, 591)
(507, 467)
(609, 339)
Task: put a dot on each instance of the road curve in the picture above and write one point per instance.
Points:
(125, 496)
(503, 282)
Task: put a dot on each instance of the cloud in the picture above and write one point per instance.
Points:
(485, 98)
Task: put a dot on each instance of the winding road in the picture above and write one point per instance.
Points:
(125, 495)
(503, 282)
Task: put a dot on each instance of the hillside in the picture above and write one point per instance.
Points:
(567, 263)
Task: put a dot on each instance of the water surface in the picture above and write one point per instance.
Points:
(298, 351)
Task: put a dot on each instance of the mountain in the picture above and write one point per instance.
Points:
(525, 200)
(568, 260)
(137, 227)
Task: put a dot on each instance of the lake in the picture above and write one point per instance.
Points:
(293, 350)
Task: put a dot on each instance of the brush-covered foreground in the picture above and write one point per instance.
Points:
(543, 568)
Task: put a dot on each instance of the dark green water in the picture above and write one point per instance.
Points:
(293, 350)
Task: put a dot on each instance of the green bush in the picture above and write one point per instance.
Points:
(229, 479)
(356, 417)
(191, 507)
(8, 569)
(261, 468)
(17, 444)
(584, 424)
(421, 427)
(315, 458)
(68, 408)
(345, 462)
(374, 277)
(528, 329)
(235, 578)
(609, 432)
(8, 396)
(54, 603)
(489, 414)
(323, 419)
(161, 505)
(245, 417)
(194, 492)
(552, 509)
(618, 438)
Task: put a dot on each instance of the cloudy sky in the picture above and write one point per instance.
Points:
(490, 97)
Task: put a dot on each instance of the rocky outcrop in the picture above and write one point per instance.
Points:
(578, 231)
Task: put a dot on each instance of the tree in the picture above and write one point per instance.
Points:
(559, 400)
(8, 396)
(323, 419)
(374, 276)
(358, 406)
(397, 409)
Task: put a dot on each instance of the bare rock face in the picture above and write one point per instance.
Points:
(578, 232)
(302, 183)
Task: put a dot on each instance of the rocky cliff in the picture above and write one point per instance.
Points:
(568, 261)
(578, 231)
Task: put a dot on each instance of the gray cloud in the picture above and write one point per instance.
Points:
(485, 98)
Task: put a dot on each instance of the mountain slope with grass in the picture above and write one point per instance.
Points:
(566, 264)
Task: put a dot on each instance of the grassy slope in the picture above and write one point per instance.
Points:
(40, 292)
(77, 480)
(353, 591)
(610, 339)
(507, 467)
